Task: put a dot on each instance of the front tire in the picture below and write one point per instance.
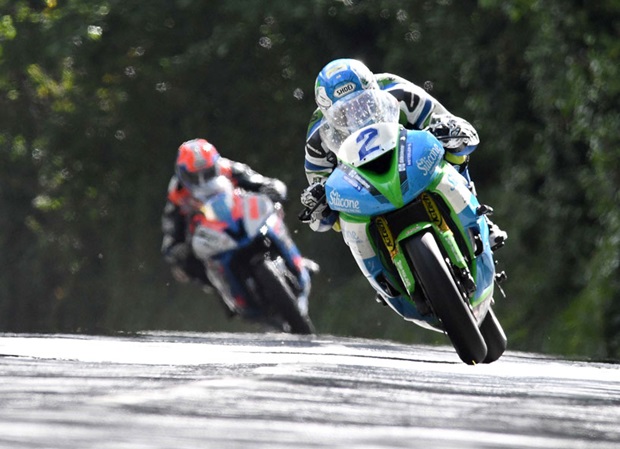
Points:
(445, 298)
(281, 300)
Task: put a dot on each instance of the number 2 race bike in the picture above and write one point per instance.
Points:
(251, 260)
(419, 235)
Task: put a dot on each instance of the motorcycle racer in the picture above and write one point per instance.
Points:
(349, 96)
(198, 161)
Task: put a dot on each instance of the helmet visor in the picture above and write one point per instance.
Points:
(362, 109)
(193, 180)
(215, 186)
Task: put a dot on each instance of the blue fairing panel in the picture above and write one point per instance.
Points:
(420, 157)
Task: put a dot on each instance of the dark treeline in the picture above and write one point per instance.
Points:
(96, 96)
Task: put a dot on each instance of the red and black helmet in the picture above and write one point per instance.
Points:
(197, 163)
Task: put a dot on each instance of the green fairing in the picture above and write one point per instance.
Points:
(388, 184)
(354, 218)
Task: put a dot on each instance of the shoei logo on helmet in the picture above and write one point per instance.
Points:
(343, 90)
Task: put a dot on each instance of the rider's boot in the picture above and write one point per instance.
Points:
(497, 236)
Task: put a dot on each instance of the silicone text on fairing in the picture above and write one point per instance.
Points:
(343, 203)
(426, 163)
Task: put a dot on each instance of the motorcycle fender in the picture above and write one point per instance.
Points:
(411, 230)
(404, 271)
(399, 259)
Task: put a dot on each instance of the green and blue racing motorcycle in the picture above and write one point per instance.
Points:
(419, 235)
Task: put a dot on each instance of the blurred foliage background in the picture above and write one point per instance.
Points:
(95, 98)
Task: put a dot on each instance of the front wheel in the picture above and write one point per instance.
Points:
(279, 297)
(445, 298)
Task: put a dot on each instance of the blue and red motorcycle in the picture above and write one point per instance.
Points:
(250, 257)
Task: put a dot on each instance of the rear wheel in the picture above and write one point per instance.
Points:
(280, 298)
(494, 337)
(445, 298)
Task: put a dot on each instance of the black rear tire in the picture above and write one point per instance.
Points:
(445, 298)
(494, 336)
(280, 298)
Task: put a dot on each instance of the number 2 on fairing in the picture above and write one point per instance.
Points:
(366, 137)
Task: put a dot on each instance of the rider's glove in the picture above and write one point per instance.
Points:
(456, 135)
(275, 189)
(313, 199)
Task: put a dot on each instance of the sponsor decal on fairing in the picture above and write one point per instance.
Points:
(401, 160)
(343, 203)
(426, 163)
(356, 185)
